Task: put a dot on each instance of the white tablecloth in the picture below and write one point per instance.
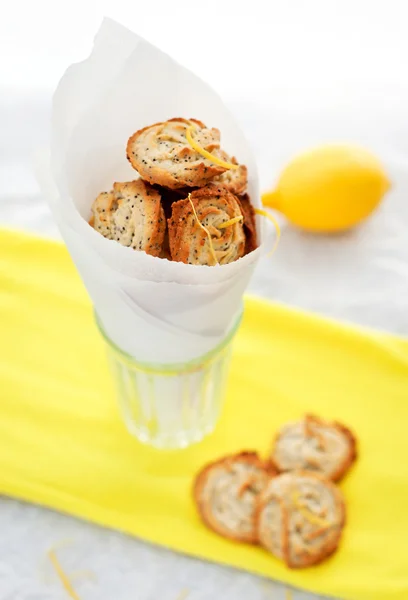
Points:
(315, 75)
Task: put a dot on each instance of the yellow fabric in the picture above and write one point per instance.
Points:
(63, 445)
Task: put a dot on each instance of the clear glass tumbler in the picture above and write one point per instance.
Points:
(171, 406)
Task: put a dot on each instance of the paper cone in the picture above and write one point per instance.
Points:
(153, 309)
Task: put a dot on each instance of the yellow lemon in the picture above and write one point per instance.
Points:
(330, 188)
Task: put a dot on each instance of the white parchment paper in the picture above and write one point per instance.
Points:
(153, 309)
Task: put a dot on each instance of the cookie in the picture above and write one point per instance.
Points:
(251, 238)
(315, 445)
(136, 216)
(162, 155)
(235, 180)
(300, 518)
(196, 228)
(225, 492)
(102, 211)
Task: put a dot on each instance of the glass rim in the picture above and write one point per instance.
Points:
(170, 368)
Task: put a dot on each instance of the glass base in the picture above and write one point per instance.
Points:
(176, 441)
(171, 406)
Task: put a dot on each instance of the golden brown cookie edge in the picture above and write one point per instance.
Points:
(248, 456)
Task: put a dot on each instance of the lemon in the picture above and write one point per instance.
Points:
(329, 188)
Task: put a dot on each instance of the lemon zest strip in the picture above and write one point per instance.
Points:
(196, 146)
(230, 222)
(63, 577)
(308, 514)
(272, 219)
(204, 229)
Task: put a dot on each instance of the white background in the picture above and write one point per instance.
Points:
(296, 73)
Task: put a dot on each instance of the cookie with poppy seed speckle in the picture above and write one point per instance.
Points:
(225, 493)
(300, 518)
(315, 445)
(132, 215)
(162, 155)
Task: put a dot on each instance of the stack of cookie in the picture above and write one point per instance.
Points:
(190, 203)
(288, 504)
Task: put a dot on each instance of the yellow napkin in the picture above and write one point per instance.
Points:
(63, 445)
